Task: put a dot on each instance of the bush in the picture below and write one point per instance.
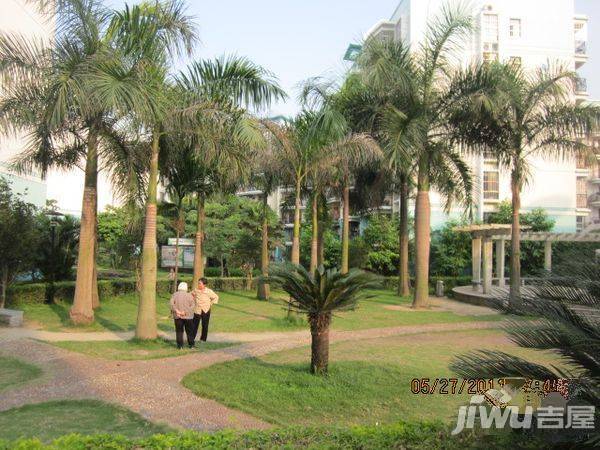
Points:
(403, 435)
(65, 290)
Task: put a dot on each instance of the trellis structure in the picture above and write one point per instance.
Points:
(484, 237)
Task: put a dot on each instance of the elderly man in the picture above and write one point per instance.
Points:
(205, 298)
(182, 307)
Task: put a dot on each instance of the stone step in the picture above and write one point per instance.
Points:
(11, 317)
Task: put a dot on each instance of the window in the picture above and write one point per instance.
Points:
(490, 28)
(581, 192)
(580, 223)
(491, 188)
(515, 61)
(515, 28)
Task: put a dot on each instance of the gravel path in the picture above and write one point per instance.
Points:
(152, 388)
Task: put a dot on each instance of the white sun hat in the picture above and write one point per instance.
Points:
(183, 286)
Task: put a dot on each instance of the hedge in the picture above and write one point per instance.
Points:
(35, 292)
(400, 436)
(65, 290)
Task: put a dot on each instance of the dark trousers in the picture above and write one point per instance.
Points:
(204, 317)
(188, 326)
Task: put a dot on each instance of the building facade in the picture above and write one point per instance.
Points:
(514, 31)
(19, 17)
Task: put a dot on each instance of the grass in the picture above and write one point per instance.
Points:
(242, 312)
(369, 381)
(14, 372)
(49, 420)
(136, 349)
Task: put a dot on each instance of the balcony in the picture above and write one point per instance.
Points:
(594, 200)
(580, 87)
(581, 52)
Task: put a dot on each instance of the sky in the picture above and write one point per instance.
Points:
(300, 39)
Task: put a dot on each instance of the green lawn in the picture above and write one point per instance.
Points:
(241, 312)
(134, 349)
(14, 372)
(47, 421)
(369, 381)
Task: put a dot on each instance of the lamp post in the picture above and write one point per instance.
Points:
(53, 215)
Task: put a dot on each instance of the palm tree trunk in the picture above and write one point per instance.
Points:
(198, 251)
(320, 236)
(95, 295)
(146, 320)
(319, 330)
(403, 276)
(345, 228)
(4, 286)
(264, 290)
(314, 242)
(82, 311)
(515, 250)
(295, 259)
(176, 271)
(422, 236)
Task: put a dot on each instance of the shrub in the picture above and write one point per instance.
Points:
(35, 292)
(403, 435)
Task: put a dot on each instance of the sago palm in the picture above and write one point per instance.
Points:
(319, 295)
(566, 307)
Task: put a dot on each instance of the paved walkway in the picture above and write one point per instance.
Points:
(153, 388)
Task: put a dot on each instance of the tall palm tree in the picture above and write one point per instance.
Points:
(532, 114)
(215, 92)
(78, 86)
(266, 176)
(426, 90)
(319, 295)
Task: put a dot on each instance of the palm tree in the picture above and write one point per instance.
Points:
(566, 306)
(215, 91)
(266, 176)
(78, 86)
(426, 90)
(319, 295)
(532, 114)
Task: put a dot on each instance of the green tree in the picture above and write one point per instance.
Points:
(56, 256)
(450, 250)
(425, 89)
(18, 237)
(381, 239)
(532, 253)
(531, 114)
(319, 295)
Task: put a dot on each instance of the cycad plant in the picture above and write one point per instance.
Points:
(566, 308)
(319, 295)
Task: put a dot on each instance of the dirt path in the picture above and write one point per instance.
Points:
(152, 388)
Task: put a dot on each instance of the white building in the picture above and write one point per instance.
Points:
(66, 187)
(19, 17)
(530, 33)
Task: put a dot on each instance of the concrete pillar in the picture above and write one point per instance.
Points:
(488, 252)
(500, 261)
(548, 256)
(476, 261)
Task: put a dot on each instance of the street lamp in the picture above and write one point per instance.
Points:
(53, 215)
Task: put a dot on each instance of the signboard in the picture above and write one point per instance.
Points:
(186, 256)
(182, 242)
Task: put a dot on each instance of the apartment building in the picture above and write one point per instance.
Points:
(19, 17)
(515, 31)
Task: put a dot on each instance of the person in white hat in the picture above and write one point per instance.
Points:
(182, 307)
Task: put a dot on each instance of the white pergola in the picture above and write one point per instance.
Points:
(484, 237)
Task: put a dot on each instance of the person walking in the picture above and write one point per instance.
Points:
(205, 298)
(182, 307)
